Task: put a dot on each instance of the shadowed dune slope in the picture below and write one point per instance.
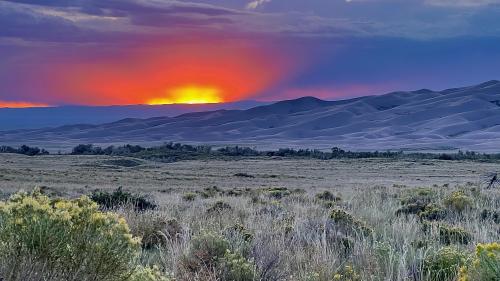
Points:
(462, 118)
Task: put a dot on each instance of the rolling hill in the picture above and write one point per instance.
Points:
(461, 118)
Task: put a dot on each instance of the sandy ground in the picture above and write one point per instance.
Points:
(73, 175)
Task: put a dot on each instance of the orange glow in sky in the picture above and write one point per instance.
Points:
(189, 95)
(20, 104)
(159, 73)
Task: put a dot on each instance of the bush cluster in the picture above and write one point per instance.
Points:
(349, 224)
(119, 198)
(63, 240)
(485, 265)
(458, 201)
(210, 254)
(454, 235)
(444, 264)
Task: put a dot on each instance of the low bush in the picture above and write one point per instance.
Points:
(148, 274)
(218, 207)
(492, 215)
(485, 265)
(278, 192)
(63, 240)
(205, 252)
(419, 196)
(235, 267)
(444, 264)
(154, 229)
(347, 273)
(189, 196)
(432, 212)
(327, 196)
(458, 201)
(349, 224)
(454, 235)
(120, 198)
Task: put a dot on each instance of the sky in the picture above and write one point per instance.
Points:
(117, 52)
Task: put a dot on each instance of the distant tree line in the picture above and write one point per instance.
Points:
(177, 151)
(186, 151)
(24, 149)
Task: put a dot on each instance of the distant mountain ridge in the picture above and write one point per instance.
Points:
(39, 117)
(460, 118)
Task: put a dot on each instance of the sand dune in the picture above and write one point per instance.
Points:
(462, 118)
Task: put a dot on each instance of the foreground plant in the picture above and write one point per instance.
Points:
(485, 265)
(46, 239)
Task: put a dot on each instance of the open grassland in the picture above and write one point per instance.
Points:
(273, 219)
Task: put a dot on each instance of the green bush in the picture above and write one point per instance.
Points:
(120, 198)
(485, 265)
(205, 252)
(235, 267)
(327, 196)
(278, 192)
(419, 196)
(189, 196)
(347, 273)
(444, 264)
(458, 201)
(453, 235)
(432, 212)
(349, 224)
(148, 274)
(63, 240)
(219, 207)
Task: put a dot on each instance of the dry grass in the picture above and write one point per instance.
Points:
(292, 238)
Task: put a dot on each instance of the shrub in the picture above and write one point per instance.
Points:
(432, 212)
(443, 265)
(490, 215)
(235, 267)
(219, 207)
(240, 230)
(205, 252)
(349, 223)
(278, 192)
(152, 228)
(120, 198)
(458, 201)
(189, 196)
(148, 274)
(419, 196)
(244, 175)
(453, 235)
(485, 265)
(411, 208)
(347, 273)
(327, 196)
(63, 240)
(209, 192)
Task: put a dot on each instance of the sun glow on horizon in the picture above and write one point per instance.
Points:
(189, 95)
(20, 104)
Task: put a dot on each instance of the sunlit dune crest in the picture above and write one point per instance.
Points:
(20, 104)
(189, 95)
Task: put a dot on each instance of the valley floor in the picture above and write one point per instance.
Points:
(75, 175)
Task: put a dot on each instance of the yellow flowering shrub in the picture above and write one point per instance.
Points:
(443, 265)
(56, 239)
(148, 274)
(485, 265)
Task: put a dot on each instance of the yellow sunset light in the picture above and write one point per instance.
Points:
(189, 95)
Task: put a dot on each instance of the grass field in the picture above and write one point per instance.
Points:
(271, 219)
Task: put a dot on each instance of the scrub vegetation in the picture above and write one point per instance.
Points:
(245, 229)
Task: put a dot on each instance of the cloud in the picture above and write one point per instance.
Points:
(462, 3)
(255, 4)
